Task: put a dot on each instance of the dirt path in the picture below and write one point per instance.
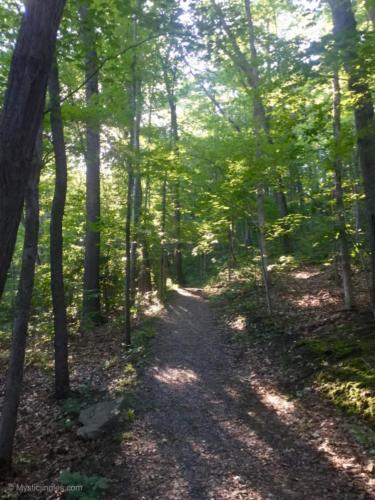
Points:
(206, 431)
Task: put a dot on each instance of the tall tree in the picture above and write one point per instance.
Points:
(339, 196)
(348, 40)
(128, 222)
(56, 232)
(163, 252)
(22, 312)
(91, 310)
(170, 75)
(21, 115)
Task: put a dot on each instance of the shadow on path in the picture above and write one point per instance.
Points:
(201, 433)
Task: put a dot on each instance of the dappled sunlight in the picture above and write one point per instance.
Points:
(184, 292)
(323, 437)
(304, 275)
(235, 487)
(308, 300)
(248, 439)
(175, 376)
(278, 403)
(153, 309)
(238, 324)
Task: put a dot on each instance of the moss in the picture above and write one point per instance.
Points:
(347, 374)
(349, 395)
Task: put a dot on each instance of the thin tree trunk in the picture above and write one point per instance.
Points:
(135, 221)
(347, 40)
(146, 281)
(22, 313)
(180, 278)
(128, 305)
(137, 183)
(355, 172)
(134, 198)
(162, 278)
(284, 212)
(56, 232)
(232, 256)
(169, 85)
(339, 196)
(21, 115)
(263, 248)
(260, 123)
(91, 309)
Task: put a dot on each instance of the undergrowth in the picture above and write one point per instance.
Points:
(332, 351)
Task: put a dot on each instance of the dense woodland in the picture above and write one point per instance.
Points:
(150, 145)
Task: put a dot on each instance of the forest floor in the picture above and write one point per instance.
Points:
(212, 424)
(224, 405)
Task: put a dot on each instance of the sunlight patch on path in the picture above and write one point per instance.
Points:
(175, 376)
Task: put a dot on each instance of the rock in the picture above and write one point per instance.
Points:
(97, 417)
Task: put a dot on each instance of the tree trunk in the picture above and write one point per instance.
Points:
(347, 40)
(136, 217)
(162, 277)
(180, 278)
(146, 281)
(56, 232)
(284, 212)
(137, 184)
(263, 248)
(21, 115)
(91, 310)
(231, 253)
(127, 312)
(260, 123)
(339, 196)
(22, 312)
(169, 85)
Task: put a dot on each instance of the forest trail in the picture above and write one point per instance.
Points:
(204, 432)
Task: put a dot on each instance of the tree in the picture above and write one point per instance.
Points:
(56, 234)
(347, 40)
(91, 310)
(170, 75)
(22, 114)
(22, 312)
(339, 196)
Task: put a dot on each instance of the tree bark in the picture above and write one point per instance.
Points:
(347, 41)
(56, 233)
(21, 115)
(91, 308)
(22, 312)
